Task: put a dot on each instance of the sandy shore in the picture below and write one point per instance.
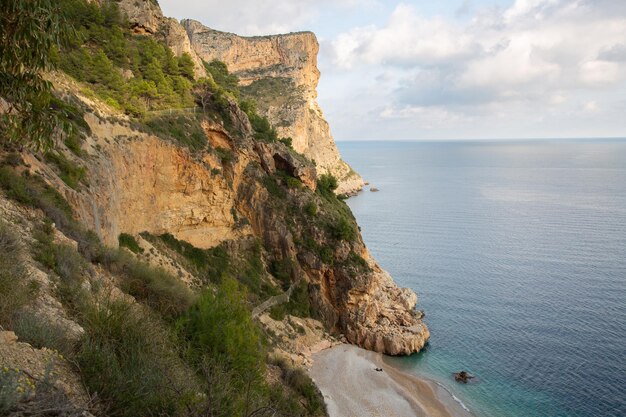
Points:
(352, 387)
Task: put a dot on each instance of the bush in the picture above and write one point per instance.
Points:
(225, 344)
(300, 382)
(20, 396)
(220, 326)
(70, 173)
(343, 229)
(327, 184)
(34, 192)
(298, 304)
(311, 209)
(211, 264)
(272, 187)
(15, 290)
(185, 129)
(130, 361)
(287, 142)
(153, 286)
(225, 155)
(41, 333)
(283, 271)
(128, 241)
(293, 183)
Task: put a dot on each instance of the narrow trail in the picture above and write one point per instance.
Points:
(272, 301)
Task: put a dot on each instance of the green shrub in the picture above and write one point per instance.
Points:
(155, 287)
(225, 155)
(222, 77)
(128, 241)
(15, 289)
(311, 209)
(272, 187)
(21, 396)
(40, 333)
(263, 130)
(223, 341)
(185, 129)
(343, 229)
(327, 255)
(70, 173)
(287, 142)
(298, 304)
(356, 264)
(34, 192)
(300, 382)
(283, 270)
(327, 184)
(211, 264)
(294, 183)
(220, 326)
(130, 361)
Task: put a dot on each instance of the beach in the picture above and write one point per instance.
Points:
(352, 387)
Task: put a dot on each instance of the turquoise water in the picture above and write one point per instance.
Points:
(517, 251)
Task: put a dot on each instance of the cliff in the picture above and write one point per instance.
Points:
(138, 238)
(280, 73)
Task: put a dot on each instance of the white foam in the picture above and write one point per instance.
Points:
(453, 396)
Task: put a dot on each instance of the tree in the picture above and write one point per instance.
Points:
(186, 66)
(29, 33)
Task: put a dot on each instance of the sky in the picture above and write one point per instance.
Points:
(451, 69)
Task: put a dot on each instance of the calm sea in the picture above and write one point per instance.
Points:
(517, 251)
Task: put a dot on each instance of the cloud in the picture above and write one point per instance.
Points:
(256, 17)
(538, 58)
(394, 68)
(407, 39)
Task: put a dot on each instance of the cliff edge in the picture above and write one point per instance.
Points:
(280, 73)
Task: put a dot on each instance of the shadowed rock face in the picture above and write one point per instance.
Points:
(280, 72)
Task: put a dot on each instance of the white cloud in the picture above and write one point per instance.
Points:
(528, 65)
(256, 17)
(536, 68)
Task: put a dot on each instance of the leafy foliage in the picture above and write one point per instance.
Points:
(327, 184)
(211, 264)
(185, 129)
(128, 241)
(134, 74)
(29, 33)
(70, 173)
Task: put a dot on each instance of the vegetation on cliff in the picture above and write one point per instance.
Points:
(158, 326)
(204, 344)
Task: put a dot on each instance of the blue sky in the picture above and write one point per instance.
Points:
(456, 69)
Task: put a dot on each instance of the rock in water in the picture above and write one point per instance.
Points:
(463, 377)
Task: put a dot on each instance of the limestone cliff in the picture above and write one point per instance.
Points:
(280, 72)
(141, 182)
(146, 17)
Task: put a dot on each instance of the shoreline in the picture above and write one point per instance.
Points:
(347, 377)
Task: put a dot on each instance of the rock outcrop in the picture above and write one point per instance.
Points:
(146, 18)
(280, 72)
(237, 189)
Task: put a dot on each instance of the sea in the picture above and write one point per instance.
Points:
(517, 251)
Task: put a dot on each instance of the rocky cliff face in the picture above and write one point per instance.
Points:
(146, 17)
(236, 188)
(281, 73)
(140, 182)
